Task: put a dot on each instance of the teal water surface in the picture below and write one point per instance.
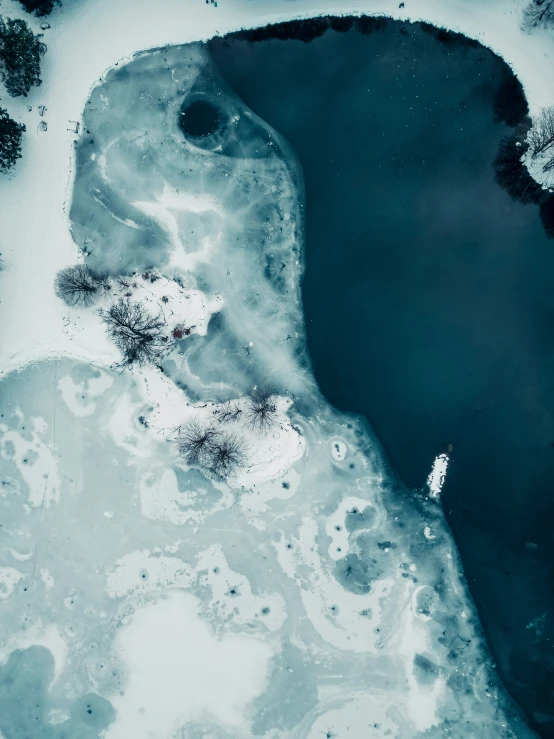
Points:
(429, 293)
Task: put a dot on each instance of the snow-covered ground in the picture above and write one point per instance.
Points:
(300, 597)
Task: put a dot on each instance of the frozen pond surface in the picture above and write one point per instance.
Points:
(304, 596)
(428, 293)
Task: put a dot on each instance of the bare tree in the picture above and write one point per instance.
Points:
(538, 14)
(541, 135)
(226, 455)
(79, 286)
(231, 412)
(213, 451)
(135, 332)
(195, 443)
(261, 411)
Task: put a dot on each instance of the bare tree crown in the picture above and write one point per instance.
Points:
(261, 411)
(136, 333)
(541, 135)
(538, 14)
(214, 451)
(79, 286)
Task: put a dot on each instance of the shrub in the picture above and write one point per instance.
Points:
(135, 332)
(79, 286)
(20, 54)
(261, 410)
(11, 134)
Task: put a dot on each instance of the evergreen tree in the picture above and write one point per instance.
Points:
(39, 7)
(20, 54)
(11, 134)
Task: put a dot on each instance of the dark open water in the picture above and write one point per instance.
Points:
(429, 295)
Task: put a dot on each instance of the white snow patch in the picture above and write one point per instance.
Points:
(46, 577)
(80, 397)
(177, 671)
(357, 715)
(437, 476)
(338, 450)
(255, 501)
(9, 577)
(336, 525)
(161, 499)
(143, 572)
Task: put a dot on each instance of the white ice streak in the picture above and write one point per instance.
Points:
(144, 572)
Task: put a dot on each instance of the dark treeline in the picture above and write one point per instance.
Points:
(21, 52)
(40, 8)
(510, 105)
(312, 28)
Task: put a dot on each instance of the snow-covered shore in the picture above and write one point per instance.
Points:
(86, 39)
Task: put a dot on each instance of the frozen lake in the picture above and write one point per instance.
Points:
(428, 294)
(195, 543)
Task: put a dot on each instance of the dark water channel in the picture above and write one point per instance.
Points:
(429, 294)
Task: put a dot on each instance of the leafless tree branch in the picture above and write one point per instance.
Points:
(539, 13)
(194, 443)
(135, 332)
(227, 456)
(261, 410)
(79, 286)
(541, 135)
(213, 451)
